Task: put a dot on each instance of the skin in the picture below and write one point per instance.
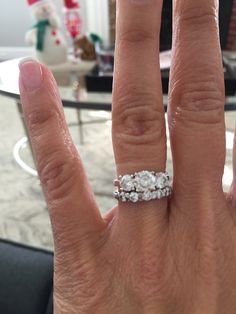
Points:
(174, 255)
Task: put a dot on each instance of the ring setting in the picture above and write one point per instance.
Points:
(142, 186)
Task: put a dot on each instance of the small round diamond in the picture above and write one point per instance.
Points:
(154, 195)
(147, 196)
(159, 194)
(168, 191)
(116, 195)
(161, 180)
(134, 197)
(164, 192)
(127, 183)
(145, 180)
(123, 197)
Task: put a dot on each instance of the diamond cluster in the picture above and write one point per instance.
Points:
(143, 186)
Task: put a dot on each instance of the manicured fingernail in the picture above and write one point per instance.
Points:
(31, 74)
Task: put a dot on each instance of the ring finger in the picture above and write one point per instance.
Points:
(138, 130)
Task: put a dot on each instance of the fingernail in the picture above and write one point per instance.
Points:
(31, 74)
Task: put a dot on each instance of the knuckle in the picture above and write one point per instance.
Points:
(57, 175)
(37, 119)
(135, 121)
(195, 17)
(136, 36)
(201, 102)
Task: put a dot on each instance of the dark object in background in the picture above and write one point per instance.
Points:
(103, 83)
(26, 279)
(166, 26)
(225, 16)
(225, 8)
(97, 83)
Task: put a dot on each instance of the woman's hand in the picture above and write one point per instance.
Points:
(172, 255)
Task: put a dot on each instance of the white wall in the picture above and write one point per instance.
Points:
(96, 17)
(15, 19)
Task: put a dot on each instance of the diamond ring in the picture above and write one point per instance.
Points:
(142, 186)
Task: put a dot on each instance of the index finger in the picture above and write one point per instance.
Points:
(71, 203)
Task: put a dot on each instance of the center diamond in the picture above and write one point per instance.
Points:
(144, 181)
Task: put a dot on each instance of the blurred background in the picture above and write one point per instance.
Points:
(76, 39)
(94, 14)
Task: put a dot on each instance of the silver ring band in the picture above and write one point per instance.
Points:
(142, 186)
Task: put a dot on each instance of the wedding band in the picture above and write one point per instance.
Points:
(142, 186)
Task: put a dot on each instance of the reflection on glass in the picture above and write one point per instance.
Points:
(105, 58)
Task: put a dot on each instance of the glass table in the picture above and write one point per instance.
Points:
(73, 95)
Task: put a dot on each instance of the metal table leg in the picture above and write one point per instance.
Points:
(19, 106)
(80, 123)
